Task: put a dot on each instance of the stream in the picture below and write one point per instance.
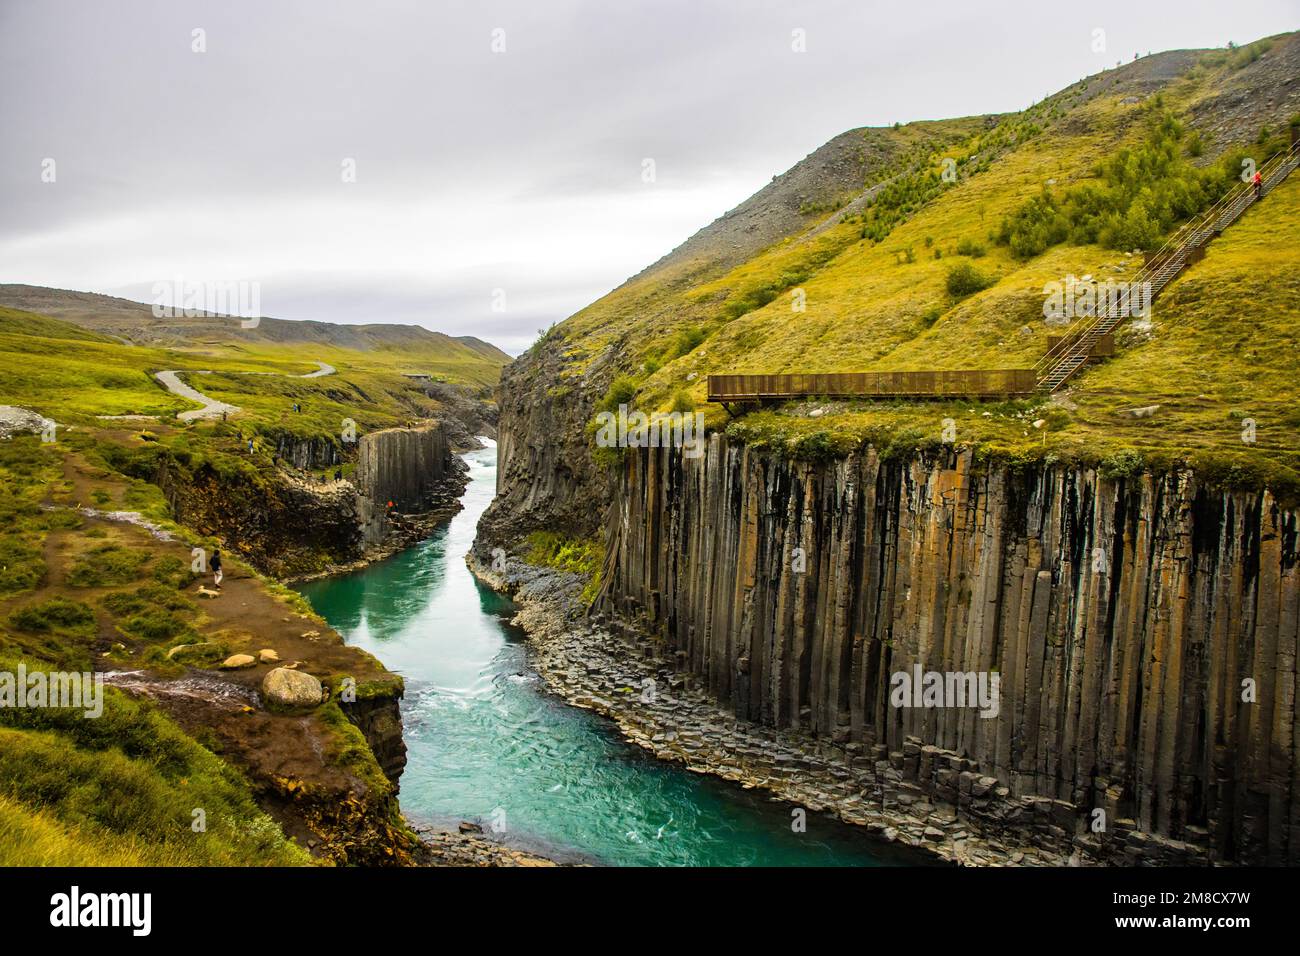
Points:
(487, 743)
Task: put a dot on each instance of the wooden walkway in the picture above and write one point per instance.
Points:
(984, 383)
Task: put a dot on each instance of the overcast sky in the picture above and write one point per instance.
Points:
(478, 169)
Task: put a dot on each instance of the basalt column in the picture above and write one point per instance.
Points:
(1143, 630)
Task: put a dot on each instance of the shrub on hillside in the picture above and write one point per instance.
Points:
(1137, 195)
(106, 564)
(964, 279)
(688, 339)
(621, 392)
(56, 614)
(21, 566)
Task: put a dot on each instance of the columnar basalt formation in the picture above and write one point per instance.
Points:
(1143, 629)
(406, 466)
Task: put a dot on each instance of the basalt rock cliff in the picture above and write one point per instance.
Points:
(1144, 629)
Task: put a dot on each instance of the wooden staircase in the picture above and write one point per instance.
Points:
(1071, 353)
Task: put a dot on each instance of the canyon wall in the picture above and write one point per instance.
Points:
(1143, 630)
(287, 527)
(307, 454)
(545, 476)
(406, 466)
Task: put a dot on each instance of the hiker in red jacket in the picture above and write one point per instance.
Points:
(1259, 185)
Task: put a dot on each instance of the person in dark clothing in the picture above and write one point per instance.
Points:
(215, 564)
(338, 474)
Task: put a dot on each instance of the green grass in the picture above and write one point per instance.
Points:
(74, 376)
(107, 564)
(57, 615)
(550, 549)
(121, 790)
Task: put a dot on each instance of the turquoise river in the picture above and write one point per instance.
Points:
(487, 743)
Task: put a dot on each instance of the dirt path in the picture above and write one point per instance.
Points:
(212, 408)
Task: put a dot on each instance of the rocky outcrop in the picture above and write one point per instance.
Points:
(379, 719)
(407, 480)
(308, 454)
(406, 466)
(545, 476)
(280, 525)
(1143, 630)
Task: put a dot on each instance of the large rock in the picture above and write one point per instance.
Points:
(284, 687)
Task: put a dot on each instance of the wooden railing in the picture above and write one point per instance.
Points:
(1161, 267)
(948, 384)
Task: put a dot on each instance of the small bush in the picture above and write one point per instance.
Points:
(688, 340)
(964, 279)
(21, 566)
(621, 392)
(682, 402)
(969, 247)
(56, 614)
(1122, 464)
(105, 565)
(173, 572)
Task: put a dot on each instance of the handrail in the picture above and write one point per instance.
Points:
(1161, 268)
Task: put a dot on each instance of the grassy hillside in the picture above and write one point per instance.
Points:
(916, 272)
(82, 588)
(74, 376)
(410, 348)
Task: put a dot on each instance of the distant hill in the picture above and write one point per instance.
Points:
(15, 322)
(485, 349)
(135, 322)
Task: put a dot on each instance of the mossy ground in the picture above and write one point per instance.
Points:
(583, 556)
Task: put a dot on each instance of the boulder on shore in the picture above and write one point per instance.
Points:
(284, 687)
(236, 661)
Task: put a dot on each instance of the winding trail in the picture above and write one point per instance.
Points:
(212, 408)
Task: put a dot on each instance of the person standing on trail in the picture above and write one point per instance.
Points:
(215, 564)
(1259, 186)
(250, 446)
